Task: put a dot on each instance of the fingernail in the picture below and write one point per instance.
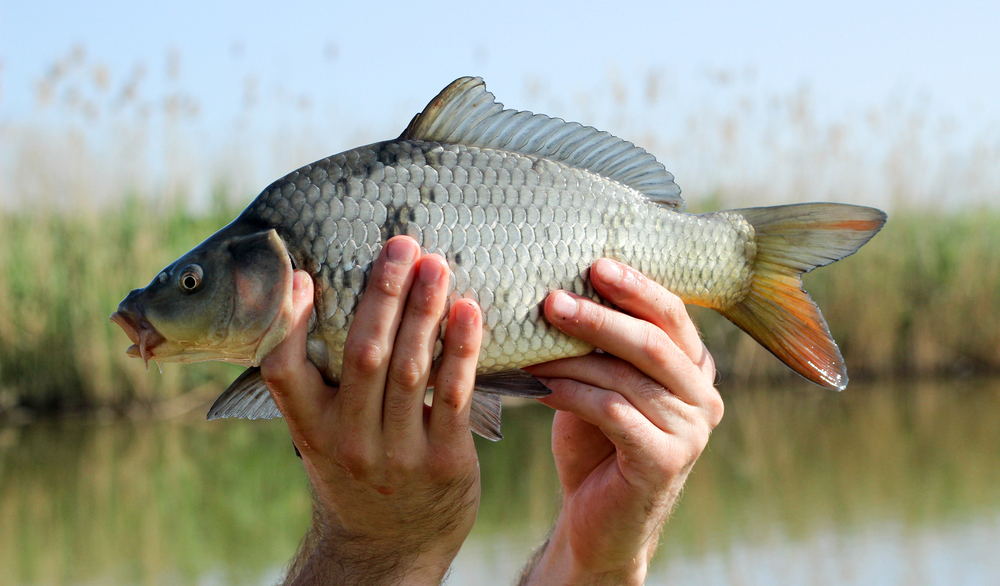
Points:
(608, 271)
(465, 313)
(400, 251)
(300, 281)
(563, 305)
(430, 271)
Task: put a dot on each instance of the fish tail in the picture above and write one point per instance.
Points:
(776, 311)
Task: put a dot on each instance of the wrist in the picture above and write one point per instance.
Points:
(559, 564)
(336, 558)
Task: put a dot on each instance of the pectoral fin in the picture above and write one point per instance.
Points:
(246, 398)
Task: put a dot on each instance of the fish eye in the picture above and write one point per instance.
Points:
(191, 278)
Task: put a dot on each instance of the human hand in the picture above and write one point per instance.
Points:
(631, 423)
(396, 482)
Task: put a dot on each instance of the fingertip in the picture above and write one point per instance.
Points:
(466, 312)
(607, 271)
(302, 289)
(561, 306)
(401, 249)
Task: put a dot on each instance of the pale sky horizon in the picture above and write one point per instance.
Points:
(367, 70)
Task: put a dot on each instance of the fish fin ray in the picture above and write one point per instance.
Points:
(514, 383)
(484, 415)
(777, 312)
(466, 113)
(246, 398)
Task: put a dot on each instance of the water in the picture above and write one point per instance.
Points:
(883, 484)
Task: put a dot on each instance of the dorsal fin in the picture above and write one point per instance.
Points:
(465, 113)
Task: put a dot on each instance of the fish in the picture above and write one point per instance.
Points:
(519, 204)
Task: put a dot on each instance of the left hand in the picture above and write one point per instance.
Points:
(396, 482)
(631, 423)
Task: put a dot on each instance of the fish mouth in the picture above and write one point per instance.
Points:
(144, 336)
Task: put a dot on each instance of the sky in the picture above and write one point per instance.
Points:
(359, 71)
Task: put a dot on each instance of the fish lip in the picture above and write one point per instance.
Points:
(145, 338)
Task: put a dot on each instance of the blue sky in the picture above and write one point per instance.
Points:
(365, 68)
(850, 52)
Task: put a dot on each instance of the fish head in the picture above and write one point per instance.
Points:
(229, 299)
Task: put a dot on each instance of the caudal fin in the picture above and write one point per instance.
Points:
(777, 312)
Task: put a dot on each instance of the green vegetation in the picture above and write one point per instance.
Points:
(62, 275)
(921, 298)
(97, 192)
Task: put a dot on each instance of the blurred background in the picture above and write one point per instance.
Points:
(130, 131)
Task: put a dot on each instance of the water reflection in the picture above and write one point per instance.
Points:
(888, 484)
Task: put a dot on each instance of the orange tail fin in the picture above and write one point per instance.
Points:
(777, 312)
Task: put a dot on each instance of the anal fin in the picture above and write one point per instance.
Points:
(514, 383)
(484, 416)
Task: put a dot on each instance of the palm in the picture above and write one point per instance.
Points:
(598, 493)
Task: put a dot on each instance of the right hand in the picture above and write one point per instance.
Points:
(631, 423)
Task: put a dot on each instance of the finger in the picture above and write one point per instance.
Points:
(662, 407)
(645, 299)
(579, 447)
(633, 340)
(413, 349)
(618, 420)
(296, 385)
(456, 376)
(370, 340)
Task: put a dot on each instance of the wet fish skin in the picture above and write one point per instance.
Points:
(512, 228)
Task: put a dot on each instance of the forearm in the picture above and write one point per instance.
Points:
(328, 556)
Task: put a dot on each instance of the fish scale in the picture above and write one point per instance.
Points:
(481, 209)
(519, 204)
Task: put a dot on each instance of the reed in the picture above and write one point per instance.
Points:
(62, 275)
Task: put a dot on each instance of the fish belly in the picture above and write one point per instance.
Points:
(512, 227)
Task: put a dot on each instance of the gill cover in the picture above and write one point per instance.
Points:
(227, 299)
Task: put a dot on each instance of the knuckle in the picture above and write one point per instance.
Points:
(716, 408)
(672, 309)
(686, 451)
(452, 401)
(406, 373)
(364, 356)
(614, 407)
(648, 388)
(656, 346)
(403, 463)
(354, 457)
(427, 304)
